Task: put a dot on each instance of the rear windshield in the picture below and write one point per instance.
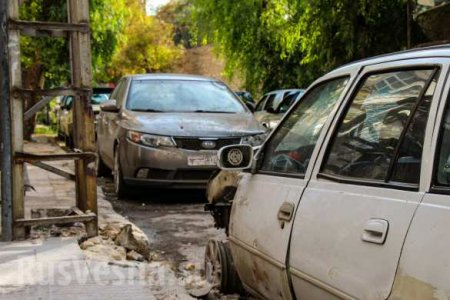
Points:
(182, 96)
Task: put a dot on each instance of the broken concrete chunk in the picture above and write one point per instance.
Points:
(133, 255)
(128, 239)
(108, 252)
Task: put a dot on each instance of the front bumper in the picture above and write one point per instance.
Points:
(165, 167)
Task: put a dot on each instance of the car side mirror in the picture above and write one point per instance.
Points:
(235, 157)
(250, 106)
(109, 106)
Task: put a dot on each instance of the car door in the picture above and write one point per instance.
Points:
(108, 124)
(353, 217)
(423, 271)
(265, 202)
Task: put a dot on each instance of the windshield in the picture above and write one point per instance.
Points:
(99, 98)
(182, 96)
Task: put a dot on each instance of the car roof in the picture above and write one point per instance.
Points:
(169, 76)
(423, 52)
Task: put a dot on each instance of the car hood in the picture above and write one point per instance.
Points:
(267, 119)
(193, 124)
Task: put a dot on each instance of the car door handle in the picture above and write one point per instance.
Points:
(375, 231)
(286, 211)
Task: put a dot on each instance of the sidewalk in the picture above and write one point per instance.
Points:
(48, 267)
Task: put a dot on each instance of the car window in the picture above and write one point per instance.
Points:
(116, 90)
(270, 105)
(68, 103)
(368, 136)
(290, 148)
(99, 98)
(409, 158)
(260, 105)
(442, 176)
(287, 102)
(182, 96)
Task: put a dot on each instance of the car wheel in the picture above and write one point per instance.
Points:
(219, 267)
(119, 185)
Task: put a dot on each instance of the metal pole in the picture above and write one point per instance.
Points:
(5, 125)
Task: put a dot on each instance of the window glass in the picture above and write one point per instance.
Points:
(99, 98)
(287, 102)
(68, 103)
(116, 90)
(260, 105)
(290, 148)
(270, 105)
(368, 135)
(408, 162)
(182, 96)
(443, 168)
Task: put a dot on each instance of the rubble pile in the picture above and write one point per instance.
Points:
(118, 243)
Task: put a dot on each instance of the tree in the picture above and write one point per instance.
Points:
(289, 43)
(45, 61)
(146, 46)
(178, 13)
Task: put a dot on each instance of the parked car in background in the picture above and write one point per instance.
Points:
(65, 115)
(164, 130)
(349, 197)
(246, 97)
(273, 105)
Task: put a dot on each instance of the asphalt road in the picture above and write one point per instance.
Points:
(175, 222)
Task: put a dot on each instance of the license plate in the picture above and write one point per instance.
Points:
(202, 160)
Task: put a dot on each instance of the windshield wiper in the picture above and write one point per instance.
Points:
(147, 110)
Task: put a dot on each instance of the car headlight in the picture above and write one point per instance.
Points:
(254, 140)
(150, 140)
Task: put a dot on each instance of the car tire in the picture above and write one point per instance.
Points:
(219, 268)
(120, 187)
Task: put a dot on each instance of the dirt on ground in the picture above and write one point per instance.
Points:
(174, 221)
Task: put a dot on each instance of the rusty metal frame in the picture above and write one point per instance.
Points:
(12, 116)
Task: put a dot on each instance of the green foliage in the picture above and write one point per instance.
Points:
(289, 43)
(178, 13)
(146, 46)
(107, 22)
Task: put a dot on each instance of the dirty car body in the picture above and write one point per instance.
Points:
(164, 130)
(348, 198)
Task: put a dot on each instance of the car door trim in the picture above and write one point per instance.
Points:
(314, 281)
(258, 253)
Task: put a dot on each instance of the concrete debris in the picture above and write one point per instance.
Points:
(110, 230)
(131, 241)
(189, 267)
(133, 255)
(107, 252)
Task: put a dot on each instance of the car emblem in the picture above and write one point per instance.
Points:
(209, 144)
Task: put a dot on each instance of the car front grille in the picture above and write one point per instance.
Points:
(197, 144)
